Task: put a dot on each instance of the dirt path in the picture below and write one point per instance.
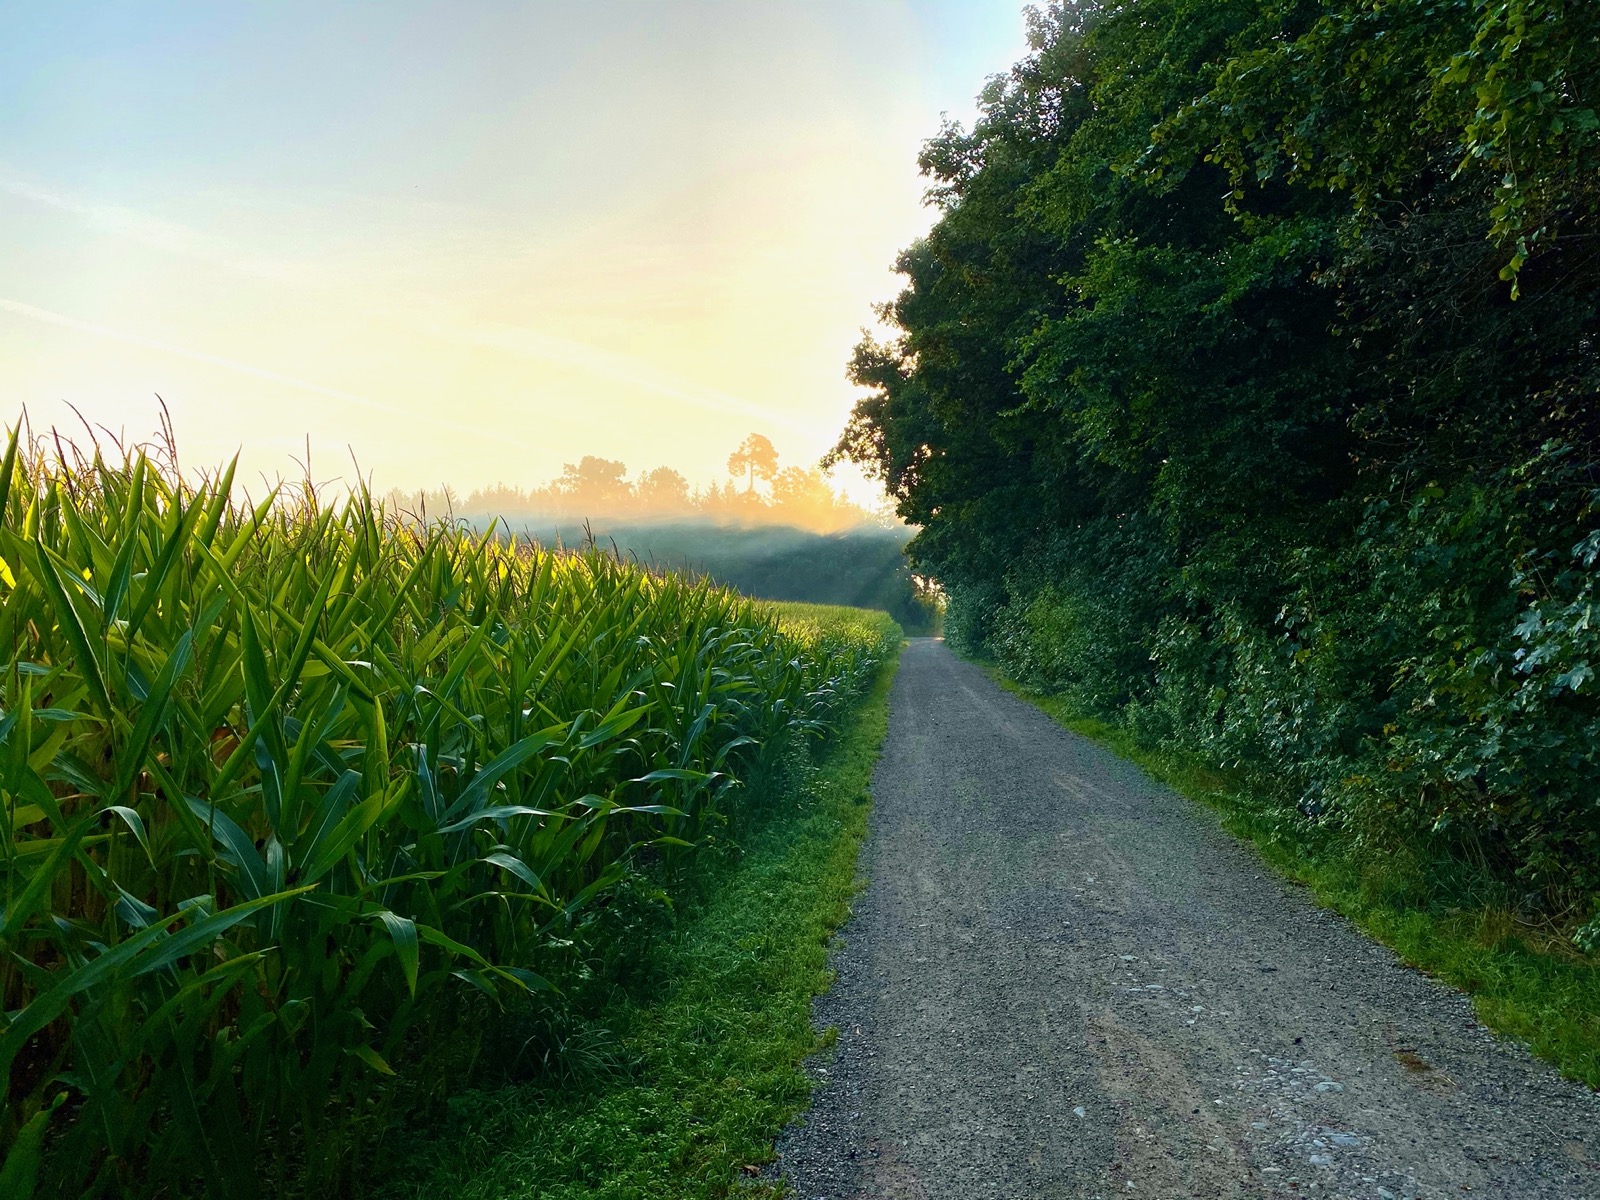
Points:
(1064, 981)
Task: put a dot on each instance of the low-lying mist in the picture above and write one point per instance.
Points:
(775, 534)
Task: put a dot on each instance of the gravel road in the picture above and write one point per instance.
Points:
(1063, 981)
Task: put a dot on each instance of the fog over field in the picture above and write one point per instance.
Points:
(774, 532)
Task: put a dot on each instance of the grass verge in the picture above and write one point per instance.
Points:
(707, 1058)
(1525, 982)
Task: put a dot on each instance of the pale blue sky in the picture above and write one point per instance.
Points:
(470, 240)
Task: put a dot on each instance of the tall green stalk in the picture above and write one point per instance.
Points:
(296, 794)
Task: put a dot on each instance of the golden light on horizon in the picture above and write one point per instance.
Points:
(468, 244)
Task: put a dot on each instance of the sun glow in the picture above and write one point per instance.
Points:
(468, 246)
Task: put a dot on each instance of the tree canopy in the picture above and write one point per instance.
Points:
(1247, 386)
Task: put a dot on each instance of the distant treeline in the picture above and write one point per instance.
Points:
(1248, 391)
(599, 489)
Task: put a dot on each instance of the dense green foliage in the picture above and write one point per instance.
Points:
(1247, 390)
(297, 798)
(683, 1072)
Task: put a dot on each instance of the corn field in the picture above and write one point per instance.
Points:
(299, 795)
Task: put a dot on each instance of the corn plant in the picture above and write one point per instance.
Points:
(298, 796)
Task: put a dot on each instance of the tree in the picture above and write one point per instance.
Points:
(663, 490)
(595, 483)
(802, 497)
(1247, 386)
(757, 457)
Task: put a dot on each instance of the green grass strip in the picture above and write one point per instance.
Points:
(714, 1050)
(1525, 983)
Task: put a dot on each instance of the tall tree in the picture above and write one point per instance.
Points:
(755, 457)
(1248, 384)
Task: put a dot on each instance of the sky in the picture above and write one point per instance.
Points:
(465, 242)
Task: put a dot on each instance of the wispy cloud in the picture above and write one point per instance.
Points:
(622, 368)
(18, 308)
(169, 236)
(407, 310)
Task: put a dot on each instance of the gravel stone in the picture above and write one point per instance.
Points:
(1065, 981)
